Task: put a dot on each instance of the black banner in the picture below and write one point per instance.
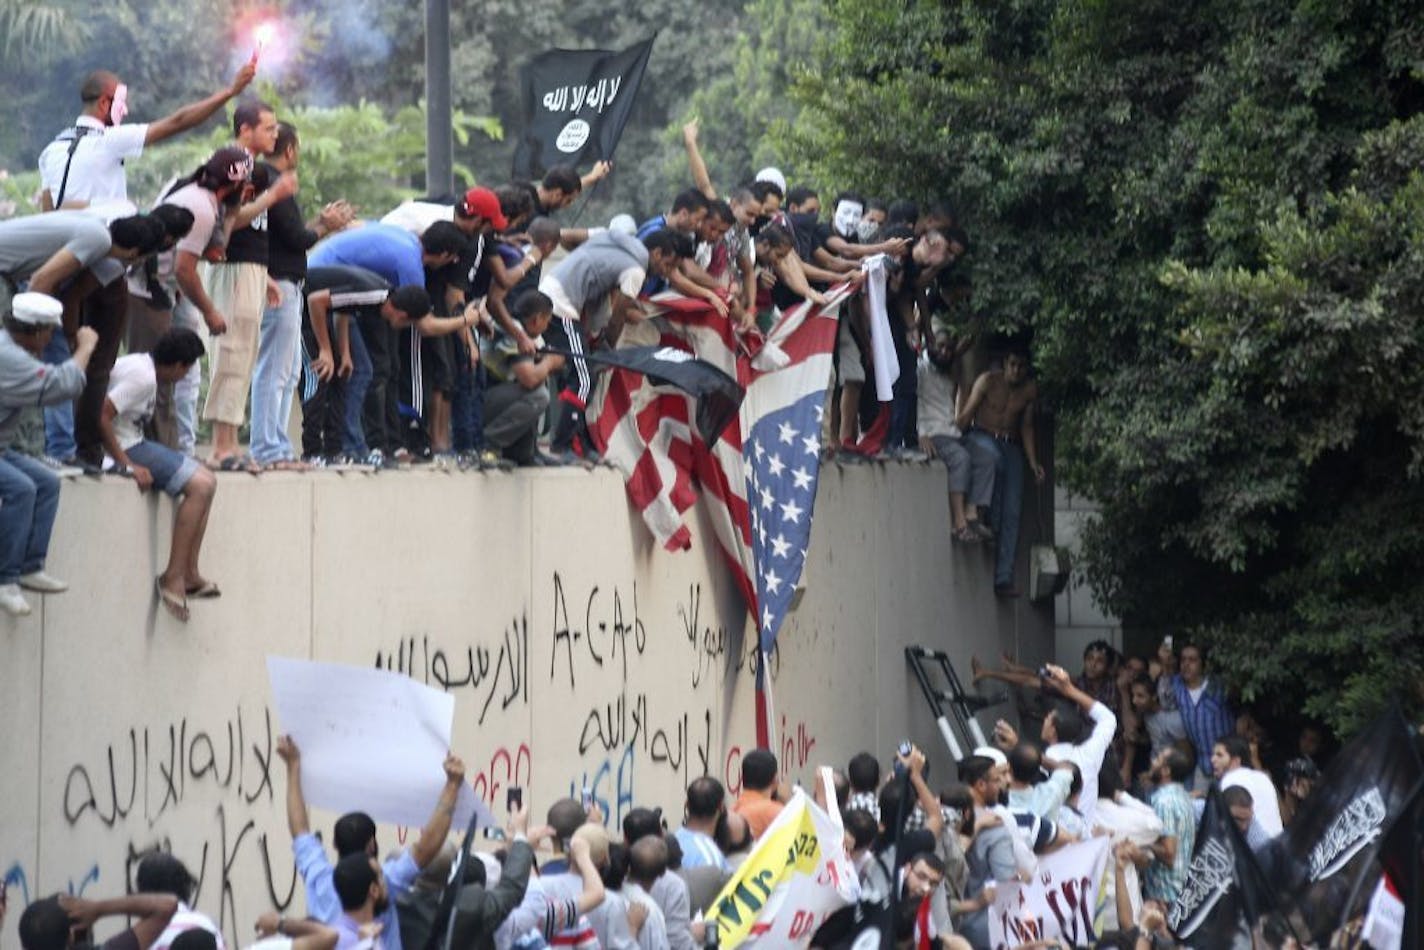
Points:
(1322, 859)
(718, 395)
(1225, 893)
(576, 103)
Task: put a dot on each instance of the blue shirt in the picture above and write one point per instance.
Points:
(323, 904)
(393, 253)
(654, 284)
(698, 850)
(1206, 720)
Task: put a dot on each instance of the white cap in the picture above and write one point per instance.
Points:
(989, 752)
(624, 224)
(39, 310)
(773, 174)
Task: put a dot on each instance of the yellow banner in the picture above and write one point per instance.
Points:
(789, 847)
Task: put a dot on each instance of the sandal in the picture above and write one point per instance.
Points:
(235, 463)
(207, 590)
(175, 605)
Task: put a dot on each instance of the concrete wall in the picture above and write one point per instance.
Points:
(577, 653)
(1078, 617)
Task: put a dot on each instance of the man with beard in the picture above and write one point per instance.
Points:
(940, 438)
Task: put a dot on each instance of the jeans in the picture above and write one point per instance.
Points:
(1006, 510)
(29, 499)
(353, 435)
(59, 418)
(275, 377)
(467, 403)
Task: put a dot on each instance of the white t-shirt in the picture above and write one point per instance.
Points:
(133, 386)
(1264, 803)
(189, 919)
(207, 226)
(653, 935)
(97, 170)
(1088, 756)
(416, 216)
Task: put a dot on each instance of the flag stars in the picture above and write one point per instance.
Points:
(787, 433)
(803, 477)
(780, 547)
(820, 413)
(761, 533)
(792, 512)
(812, 444)
(767, 499)
(766, 618)
(758, 450)
(776, 465)
(773, 583)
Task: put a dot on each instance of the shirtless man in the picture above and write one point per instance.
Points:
(998, 420)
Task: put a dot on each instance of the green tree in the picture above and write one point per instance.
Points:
(1207, 218)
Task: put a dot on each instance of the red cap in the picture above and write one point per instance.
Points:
(482, 202)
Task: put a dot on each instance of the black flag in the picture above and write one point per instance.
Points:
(576, 103)
(718, 395)
(1334, 838)
(1224, 894)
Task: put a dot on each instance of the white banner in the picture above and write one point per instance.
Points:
(1060, 901)
(370, 740)
(796, 876)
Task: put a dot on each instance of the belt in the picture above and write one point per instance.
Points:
(997, 436)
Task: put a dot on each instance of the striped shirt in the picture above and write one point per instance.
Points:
(1206, 719)
(1174, 807)
(699, 850)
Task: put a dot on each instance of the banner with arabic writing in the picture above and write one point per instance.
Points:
(576, 103)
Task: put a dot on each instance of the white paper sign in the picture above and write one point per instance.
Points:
(370, 740)
(1059, 902)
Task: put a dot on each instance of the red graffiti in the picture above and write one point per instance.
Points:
(505, 768)
(796, 746)
(732, 771)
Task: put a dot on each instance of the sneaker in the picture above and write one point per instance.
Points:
(13, 602)
(315, 461)
(61, 469)
(378, 460)
(401, 458)
(43, 583)
(490, 460)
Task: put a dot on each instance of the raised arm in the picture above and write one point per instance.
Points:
(593, 893)
(597, 173)
(437, 829)
(197, 112)
(929, 804)
(700, 178)
(297, 822)
(152, 910)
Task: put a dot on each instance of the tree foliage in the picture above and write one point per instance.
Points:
(1210, 219)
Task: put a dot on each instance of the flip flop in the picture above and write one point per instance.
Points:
(175, 605)
(966, 535)
(205, 591)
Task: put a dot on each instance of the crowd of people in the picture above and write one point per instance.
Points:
(1124, 750)
(434, 332)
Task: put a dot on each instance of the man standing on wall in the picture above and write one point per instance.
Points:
(999, 421)
(84, 166)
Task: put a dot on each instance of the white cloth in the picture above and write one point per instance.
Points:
(1088, 756)
(97, 171)
(1126, 819)
(882, 347)
(1265, 805)
(133, 388)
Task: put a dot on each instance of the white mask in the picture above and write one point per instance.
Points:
(847, 218)
(120, 106)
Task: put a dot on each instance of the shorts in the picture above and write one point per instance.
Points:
(851, 369)
(172, 471)
(437, 362)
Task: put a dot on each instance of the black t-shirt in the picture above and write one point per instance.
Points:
(471, 274)
(288, 239)
(249, 245)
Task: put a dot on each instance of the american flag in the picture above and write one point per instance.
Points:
(759, 478)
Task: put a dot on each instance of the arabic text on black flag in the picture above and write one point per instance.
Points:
(1334, 838)
(576, 103)
(1224, 894)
